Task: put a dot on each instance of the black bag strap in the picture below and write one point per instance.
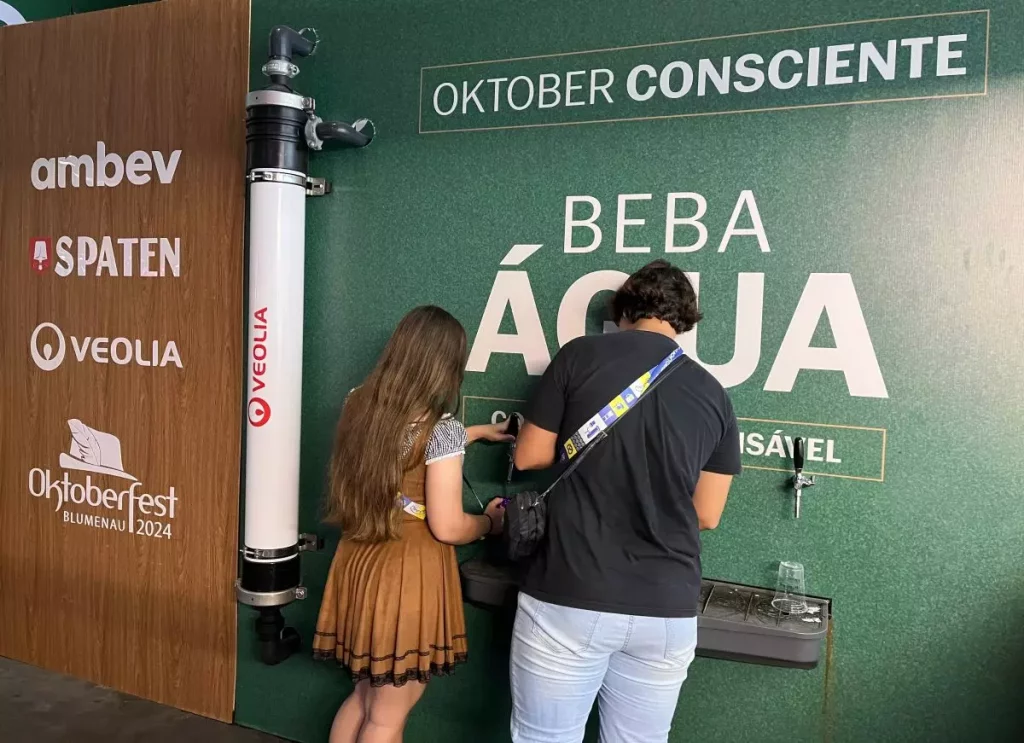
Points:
(582, 454)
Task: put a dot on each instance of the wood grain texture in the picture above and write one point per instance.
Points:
(154, 617)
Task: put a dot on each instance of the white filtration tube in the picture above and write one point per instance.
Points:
(277, 246)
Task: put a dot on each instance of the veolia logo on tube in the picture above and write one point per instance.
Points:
(259, 408)
(106, 170)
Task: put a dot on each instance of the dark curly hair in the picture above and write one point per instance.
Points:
(660, 291)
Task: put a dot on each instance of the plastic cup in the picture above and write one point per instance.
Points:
(791, 589)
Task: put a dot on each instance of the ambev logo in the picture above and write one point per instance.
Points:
(131, 510)
(107, 170)
(99, 350)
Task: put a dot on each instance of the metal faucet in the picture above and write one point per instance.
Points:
(800, 480)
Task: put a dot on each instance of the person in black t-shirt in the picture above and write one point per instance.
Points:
(609, 603)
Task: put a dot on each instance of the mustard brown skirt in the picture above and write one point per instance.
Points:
(392, 611)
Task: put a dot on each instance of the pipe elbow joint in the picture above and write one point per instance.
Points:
(286, 42)
(358, 134)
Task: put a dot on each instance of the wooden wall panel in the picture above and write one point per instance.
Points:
(152, 615)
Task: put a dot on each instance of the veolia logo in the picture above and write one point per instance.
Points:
(9, 15)
(259, 409)
(44, 356)
(101, 350)
(106, 170)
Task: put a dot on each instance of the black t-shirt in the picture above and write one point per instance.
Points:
(622, 531)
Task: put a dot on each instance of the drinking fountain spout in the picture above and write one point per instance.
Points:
(800, 480)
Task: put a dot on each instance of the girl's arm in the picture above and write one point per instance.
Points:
(445, 517)
(445, 453)
(494, 432)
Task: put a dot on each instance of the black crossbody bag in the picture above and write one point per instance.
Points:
(526, 513)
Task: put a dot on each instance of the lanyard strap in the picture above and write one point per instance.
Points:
(588, 433)
(648, 383)
(618, 407)
(419, 510)
(413, 508)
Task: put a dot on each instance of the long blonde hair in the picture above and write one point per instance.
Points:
(416, 381)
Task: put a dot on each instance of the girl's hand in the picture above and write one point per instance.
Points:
(495, 432)
(496, 510)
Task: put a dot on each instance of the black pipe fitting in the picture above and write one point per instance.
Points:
(358, 134)
(286, 43)
(277, 642)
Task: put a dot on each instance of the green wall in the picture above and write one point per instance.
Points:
(41, 10)
(917, 204)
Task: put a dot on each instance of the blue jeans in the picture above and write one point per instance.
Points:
(563, 658)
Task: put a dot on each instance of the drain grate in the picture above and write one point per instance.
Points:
(738, 622)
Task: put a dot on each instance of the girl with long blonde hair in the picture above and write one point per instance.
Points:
(392, 608)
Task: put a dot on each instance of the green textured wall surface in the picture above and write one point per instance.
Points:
(893, 232)
(41, 10)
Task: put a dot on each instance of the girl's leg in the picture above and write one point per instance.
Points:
(387, 709)
(349, 720)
